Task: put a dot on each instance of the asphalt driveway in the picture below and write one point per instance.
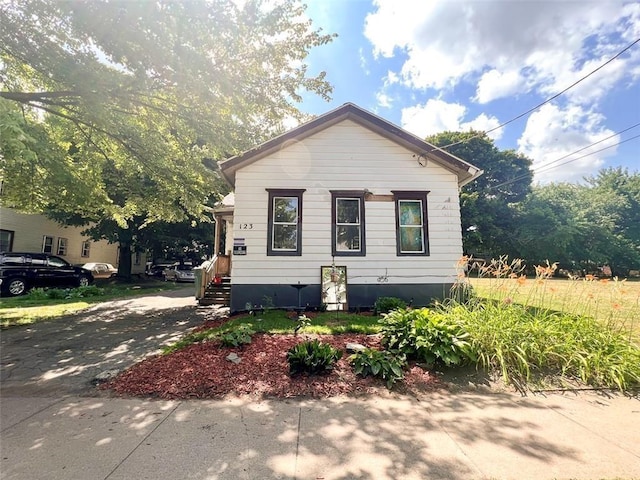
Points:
(66, 355)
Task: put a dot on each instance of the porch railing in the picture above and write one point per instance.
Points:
(219, 265)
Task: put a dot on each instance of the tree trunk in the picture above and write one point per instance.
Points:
(124, 261)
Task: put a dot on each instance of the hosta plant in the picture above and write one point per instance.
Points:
(241, 335)
(311, 357)
(384, 364)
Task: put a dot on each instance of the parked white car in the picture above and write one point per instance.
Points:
(179, 273)
(101, 270)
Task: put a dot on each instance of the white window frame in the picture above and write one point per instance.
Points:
(63, 246)
(47, 244)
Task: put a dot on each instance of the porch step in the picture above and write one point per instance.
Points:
(217, 293)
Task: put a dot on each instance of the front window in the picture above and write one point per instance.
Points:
(411, 223)
(285, 222)
(137, 258)
(347, 223)
(6, 240)
(86, 248)
(47, 244)
(62, 246)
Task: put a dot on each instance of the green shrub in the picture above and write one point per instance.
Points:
(383, 364)
(312, 357)
(241, 335)
(37, 294)
(89, 291)
(387, 304)
(428, 336)
(57, 293)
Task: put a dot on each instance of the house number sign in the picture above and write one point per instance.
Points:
(246, 226)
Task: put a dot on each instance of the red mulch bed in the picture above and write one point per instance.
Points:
(202, 371)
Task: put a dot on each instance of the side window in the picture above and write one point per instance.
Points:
(47, 244)
(347, 223)
(412, 234)
(57, 262)
(285, 222)
(6, 240)
(86, 248)
(62, 246)
(137, 259)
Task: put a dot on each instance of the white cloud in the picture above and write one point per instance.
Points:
(549, 44)
(552, 133)
(383, 100)
(496, 84)
(437, 116)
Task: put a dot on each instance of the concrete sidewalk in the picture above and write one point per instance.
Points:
(440, 436)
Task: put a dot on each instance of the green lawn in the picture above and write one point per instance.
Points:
(614, 302)
(27, 309)
(325, 323)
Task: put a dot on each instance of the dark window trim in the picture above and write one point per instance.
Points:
(12, 234)
(412, 195)
(359, 194)
(282, 192)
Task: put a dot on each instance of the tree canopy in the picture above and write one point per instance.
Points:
(485, 203)
(116, 113)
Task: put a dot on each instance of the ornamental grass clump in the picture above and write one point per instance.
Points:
(527, 338)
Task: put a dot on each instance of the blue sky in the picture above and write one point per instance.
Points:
(430, 66)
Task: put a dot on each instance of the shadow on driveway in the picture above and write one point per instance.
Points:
(64, 356)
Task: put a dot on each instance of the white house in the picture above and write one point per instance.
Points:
(353, 194)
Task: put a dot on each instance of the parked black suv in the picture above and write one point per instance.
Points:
(20, 271)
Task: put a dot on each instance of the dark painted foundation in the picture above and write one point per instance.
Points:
(358, 296)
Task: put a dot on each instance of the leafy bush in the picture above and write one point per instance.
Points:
(241, 335)
(37, 294)
(89, 291)
(387, 304)
(429, 336)
(312, 357)
(384, 364)
(57, 293)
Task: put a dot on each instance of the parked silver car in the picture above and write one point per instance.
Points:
(101, 270)
(179, 273)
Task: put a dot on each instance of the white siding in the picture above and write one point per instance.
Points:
(29, 231)
(346, 156)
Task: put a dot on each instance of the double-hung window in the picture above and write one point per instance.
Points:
(62, 246)
(412, 236)
(85, 249)
(47, 244)
(347, 223)
(285, 222)
(6, 240)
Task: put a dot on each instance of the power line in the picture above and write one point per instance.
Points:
(550, 166)
(540, 104)
(545, 165)
(589, 154)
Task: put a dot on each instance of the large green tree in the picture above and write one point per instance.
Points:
(486, 204)
(116, 112)
(583, 226)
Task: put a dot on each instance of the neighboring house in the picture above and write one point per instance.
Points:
(20, 232)
(372, 204)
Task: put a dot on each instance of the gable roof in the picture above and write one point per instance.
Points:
(465, 171)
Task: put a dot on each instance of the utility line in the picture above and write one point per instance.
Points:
(545, 165)
(549, 166)
(540, 104)
(588, 154)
